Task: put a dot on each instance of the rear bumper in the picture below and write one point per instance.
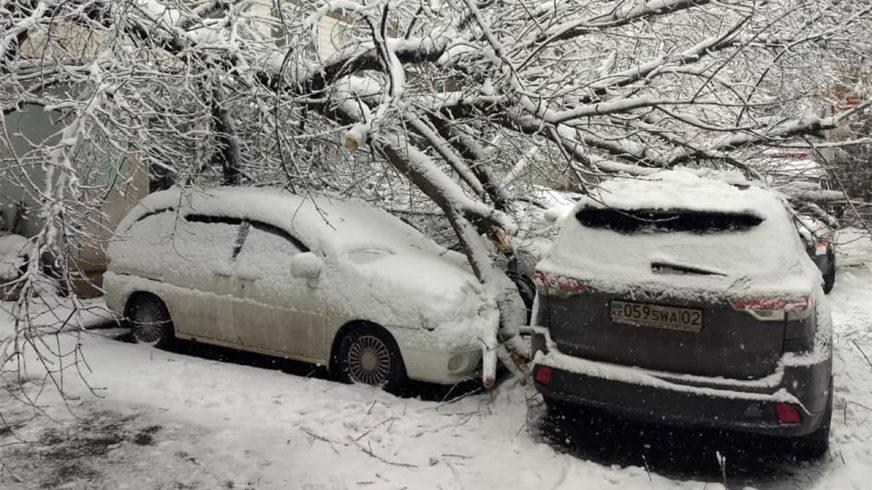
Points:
(650, 396)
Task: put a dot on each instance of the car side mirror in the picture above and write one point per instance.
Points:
(306, 265)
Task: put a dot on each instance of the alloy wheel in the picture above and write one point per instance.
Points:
(369, 361)
(148, 323)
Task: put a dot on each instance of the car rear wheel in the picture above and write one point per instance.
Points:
(556, 407)
(369, 355)
(815, 445)
(149, 321)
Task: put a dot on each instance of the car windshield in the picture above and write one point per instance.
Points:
(672, 220)
(638, 243)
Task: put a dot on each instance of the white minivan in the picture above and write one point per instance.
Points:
(315, 278)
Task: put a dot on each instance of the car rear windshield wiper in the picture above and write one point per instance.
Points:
(666, 268)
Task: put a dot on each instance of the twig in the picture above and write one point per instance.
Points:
(383, 460)
(11, 473)
(859, 405)
(450, 455)
(320, 438)
(861, 351)
(647, 469)
(722, 462)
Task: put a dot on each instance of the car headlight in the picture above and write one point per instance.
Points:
(456, 362)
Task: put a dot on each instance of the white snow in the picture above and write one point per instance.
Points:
(680, 189)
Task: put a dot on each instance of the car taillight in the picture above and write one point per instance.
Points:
(787, 414)
(551, 283)
(774, 308)
(543, 374)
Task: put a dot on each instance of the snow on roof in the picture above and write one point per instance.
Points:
(325, 223)
(681, 189)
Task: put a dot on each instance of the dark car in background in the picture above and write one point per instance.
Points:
(683, 300)
(820, 244)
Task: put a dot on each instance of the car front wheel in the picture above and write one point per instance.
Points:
(149, 321)
(369, 355)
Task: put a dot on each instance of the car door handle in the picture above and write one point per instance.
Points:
(248, 277)
(222, 274)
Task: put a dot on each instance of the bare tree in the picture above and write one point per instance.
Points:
(453, 107)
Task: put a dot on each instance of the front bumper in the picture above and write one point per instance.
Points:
(668, 398)
(427, 359)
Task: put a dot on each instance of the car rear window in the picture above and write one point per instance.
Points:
(671, 220)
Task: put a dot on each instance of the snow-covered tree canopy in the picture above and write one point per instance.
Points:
(465, 102)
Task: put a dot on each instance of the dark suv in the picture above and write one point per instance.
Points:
(820, 244)
(679, 299)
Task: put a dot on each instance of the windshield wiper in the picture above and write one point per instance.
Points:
(664, 267)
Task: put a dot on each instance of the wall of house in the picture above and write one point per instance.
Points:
(119, 179)
(30, 127)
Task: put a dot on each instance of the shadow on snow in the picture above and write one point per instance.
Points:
(412, 389)
(673, 452)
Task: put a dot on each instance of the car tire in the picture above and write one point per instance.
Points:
(367, 354)
(562, 410)
(526, 289)
(554, 406)
(149, 321)
(830, 274)
(815, 445)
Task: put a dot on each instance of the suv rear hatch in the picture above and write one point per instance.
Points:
(695, 292)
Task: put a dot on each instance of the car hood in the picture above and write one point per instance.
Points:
(421, 278)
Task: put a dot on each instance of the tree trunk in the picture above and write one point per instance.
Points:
(227, 155)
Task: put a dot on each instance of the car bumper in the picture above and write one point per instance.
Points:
(117, 291)
(423, 363)
(667, 398)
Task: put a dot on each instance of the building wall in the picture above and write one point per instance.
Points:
(26, 128)
(120, 178)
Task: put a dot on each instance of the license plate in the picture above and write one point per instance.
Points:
(657, 316)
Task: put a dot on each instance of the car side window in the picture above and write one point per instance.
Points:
(266, 250)
(210, 237)
(167, 242)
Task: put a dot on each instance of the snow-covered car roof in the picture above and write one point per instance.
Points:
(681, 189)
(329, 224)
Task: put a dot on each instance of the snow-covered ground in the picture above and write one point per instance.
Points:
(184, 419)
